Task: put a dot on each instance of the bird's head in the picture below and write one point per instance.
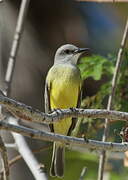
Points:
(69, 54)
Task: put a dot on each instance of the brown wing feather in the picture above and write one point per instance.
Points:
(75, 119)
(47, 102)
(47, 98)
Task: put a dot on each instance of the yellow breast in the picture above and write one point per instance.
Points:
(65, 87)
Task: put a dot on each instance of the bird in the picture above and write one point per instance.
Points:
(63, 90)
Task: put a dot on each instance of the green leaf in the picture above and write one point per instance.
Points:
(95, 66)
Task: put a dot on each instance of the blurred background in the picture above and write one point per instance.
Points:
(49, 25)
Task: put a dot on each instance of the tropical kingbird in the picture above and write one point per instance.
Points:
(63, 90)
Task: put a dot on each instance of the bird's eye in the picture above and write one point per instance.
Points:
(67, 51)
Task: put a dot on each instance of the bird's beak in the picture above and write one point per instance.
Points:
(82, 50)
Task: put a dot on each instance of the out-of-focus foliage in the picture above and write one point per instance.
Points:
(96, 67)
(121, 99)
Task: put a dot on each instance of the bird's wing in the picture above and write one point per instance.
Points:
(47, 98)
(74, 120)
(47, 102)
(79, 98)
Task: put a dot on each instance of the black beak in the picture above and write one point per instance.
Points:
(83, 50)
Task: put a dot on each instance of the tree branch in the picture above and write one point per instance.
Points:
(68, 140)
(24, 149)
(35, 167)
(29, 113)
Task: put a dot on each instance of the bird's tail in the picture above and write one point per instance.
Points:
(57, 164)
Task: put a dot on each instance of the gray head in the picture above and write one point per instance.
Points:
(69, 54)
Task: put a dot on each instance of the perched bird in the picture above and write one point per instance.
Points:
(63, 90)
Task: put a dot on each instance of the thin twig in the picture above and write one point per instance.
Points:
(5, 160)
(111, 96)
(5, 174)
(19, 157)
(11, 146)
(16, 42)
(72, 141)
(83, 173)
